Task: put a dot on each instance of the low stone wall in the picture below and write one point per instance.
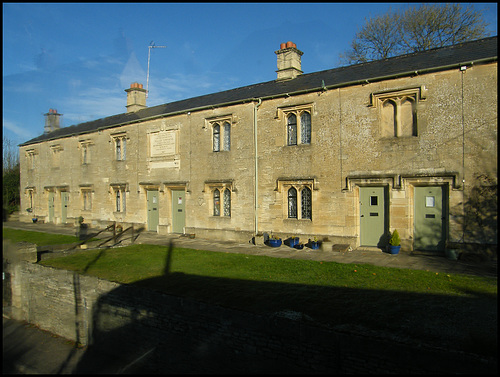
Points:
(93, 311)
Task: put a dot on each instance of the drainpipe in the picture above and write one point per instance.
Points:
(256, 188)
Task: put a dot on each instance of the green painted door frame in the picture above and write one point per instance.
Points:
(153, 210)
(373, 216)
(64, 206)
(178, 211)
(430, 211)
(51, 206)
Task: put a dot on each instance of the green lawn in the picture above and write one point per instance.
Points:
(446, 309)
(136, 263)
(38, 238)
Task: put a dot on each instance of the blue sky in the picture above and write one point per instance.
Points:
(79, 58)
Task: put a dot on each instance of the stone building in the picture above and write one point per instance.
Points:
(351, 153)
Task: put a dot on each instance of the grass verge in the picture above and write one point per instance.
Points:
(449, 310)
(39, 238)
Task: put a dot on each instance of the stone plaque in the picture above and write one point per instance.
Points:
(163, 143)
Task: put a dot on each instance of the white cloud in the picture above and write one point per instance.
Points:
(19, 131)
(23, 87)
(91, 104)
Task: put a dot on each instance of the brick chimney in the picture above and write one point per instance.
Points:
(136, 97)
(289, 65)
(52, 121)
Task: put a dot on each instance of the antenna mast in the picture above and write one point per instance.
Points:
(151, 45)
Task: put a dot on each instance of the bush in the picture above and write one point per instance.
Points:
(395, 240)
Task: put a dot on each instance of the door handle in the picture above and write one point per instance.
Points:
(362, 216)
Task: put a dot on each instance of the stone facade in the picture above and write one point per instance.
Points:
(435, 128)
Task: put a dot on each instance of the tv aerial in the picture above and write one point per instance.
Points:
(151, 46)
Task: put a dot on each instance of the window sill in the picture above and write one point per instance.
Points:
(295, 220)
(298, 145)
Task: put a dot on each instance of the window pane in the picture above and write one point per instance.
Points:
(292, 129)
(227, 136)
(216, 202)
(124, 208)
(292, 203)
(227, 202)
(118, 201)
(306, 203)
(118, 150)
(305, 128)
(84, 148)
(124, 148)
(430, 201)
(216, 138)
(374, 200)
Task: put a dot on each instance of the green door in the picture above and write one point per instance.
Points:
(178, 211)
(372, 211)
(64, 206)
(153, 210)
(51, 206)
(429, 225)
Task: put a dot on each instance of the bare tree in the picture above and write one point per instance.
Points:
(415, 29)
(9, 154)
(10, 177)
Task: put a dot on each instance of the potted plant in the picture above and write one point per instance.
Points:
(394, 242)
(34, 218)
(452, 250)
(274, 241)
(299, 246)
(82, 229)
(292, 241)
(314, 244)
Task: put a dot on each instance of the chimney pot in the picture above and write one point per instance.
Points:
(136, 97)
(289, 62)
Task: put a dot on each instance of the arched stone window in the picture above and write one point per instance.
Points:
(306, 203)
(216, 202)
(216, 142)
(292, 203)
(407, 118)
(389, 118)
(227, 136)
(292, 129)
(227, 202)
(398, 111)
(305, 128)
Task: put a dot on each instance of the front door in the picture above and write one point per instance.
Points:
(153, 210)
(372, 213)
(178, 211)
(429, 225)
(51, 206)
(64, 206)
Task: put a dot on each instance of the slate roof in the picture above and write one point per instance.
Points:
(435, 59)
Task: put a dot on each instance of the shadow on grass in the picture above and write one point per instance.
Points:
(137, 328)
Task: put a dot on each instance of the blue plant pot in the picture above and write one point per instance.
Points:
(274, 243)
(394, 249)
(292, 241)
(314, 245)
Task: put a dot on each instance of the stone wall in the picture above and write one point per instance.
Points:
(94, 311)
